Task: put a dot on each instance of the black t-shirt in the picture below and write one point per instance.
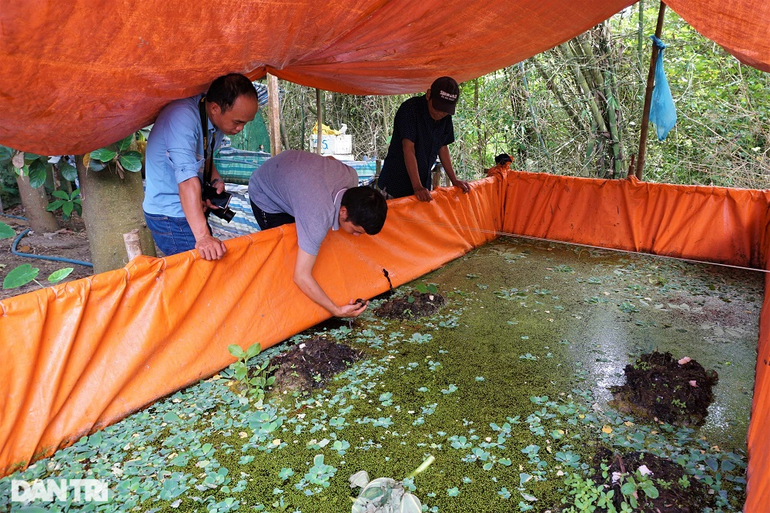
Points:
(413, 122)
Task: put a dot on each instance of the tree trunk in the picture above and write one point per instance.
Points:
(112, 207)
(35, 202)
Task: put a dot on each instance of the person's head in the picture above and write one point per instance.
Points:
(442, 97)
(363, 210)
(231, 102)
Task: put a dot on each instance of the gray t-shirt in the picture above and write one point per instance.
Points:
(306, 186)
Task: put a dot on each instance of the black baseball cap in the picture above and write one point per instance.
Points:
(444, 93)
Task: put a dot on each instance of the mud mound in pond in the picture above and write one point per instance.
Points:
(675, 491)
(660, 388)
(416, 304)
(311, 364)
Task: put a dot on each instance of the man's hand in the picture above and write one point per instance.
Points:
(423, 194)
(354, 309)
(465, 186)
(218, 184)
(210, 248)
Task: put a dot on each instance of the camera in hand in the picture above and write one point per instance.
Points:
(218, 200)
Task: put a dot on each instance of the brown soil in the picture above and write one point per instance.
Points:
(311, 364)
(69, 241)
(666, 475)
(659, 388)
(421, 305)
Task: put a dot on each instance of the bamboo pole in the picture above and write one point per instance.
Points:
(648, 95)
(613, 122)
(274, 103)
(319, 117)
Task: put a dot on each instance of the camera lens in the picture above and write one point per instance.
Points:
(227, 214)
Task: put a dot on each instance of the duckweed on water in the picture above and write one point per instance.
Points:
(506, 386)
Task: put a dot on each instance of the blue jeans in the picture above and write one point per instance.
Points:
(172, 235)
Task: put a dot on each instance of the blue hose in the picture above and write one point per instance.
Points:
(14, 217)
(43, 257)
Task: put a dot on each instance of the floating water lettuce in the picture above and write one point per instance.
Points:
(384, 494)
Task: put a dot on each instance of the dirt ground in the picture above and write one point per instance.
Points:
(660, 388)
(675, 494)
(415, 305)
(311, 364)
(69, 241)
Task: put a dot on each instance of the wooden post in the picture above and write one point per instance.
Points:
(319, 117)
(133, 244)
(648, 96)
(274, 104)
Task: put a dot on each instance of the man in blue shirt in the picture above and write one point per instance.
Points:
(174, 163)
(422, 130)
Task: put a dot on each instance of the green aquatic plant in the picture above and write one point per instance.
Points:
(256, 384)
(386, 495)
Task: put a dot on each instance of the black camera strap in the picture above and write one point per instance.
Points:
(208, 152)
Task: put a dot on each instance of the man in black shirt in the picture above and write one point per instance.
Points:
(422, 129)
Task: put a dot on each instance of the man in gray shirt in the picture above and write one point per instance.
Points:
(318, 193)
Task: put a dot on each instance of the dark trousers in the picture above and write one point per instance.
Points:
(266, 220)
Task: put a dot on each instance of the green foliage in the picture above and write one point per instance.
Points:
(118, 156)
(386, 495)
(25, 273)
(66, 202)
(254, 386)
(20, 276)
(24, 164)
(60, 274)
(586, 495)
(426, 288)
(6, 231)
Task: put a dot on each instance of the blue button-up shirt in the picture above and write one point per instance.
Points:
(174, 154)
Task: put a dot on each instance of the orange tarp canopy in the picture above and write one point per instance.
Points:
(77, 75)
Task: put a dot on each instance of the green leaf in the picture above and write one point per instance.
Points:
(59, 275)
(421, 287)
(76, 193)
(432, 288)
(19, 276)
(6, 231)
(60, 194)
(37, 174)
(628, 488)
(6, 154)
(171, 417)
(125, 143)
(131, 161)
(103, 155)
(67, 209)
(54, 205)
(236, 350)
(78, 208)
(651, 492)
(95, 165)
(68, 172)
(253, 350)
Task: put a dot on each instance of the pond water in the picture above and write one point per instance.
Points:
(506, 386)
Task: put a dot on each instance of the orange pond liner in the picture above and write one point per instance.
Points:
(84, 354)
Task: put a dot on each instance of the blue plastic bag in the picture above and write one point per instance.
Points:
(662, 109)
